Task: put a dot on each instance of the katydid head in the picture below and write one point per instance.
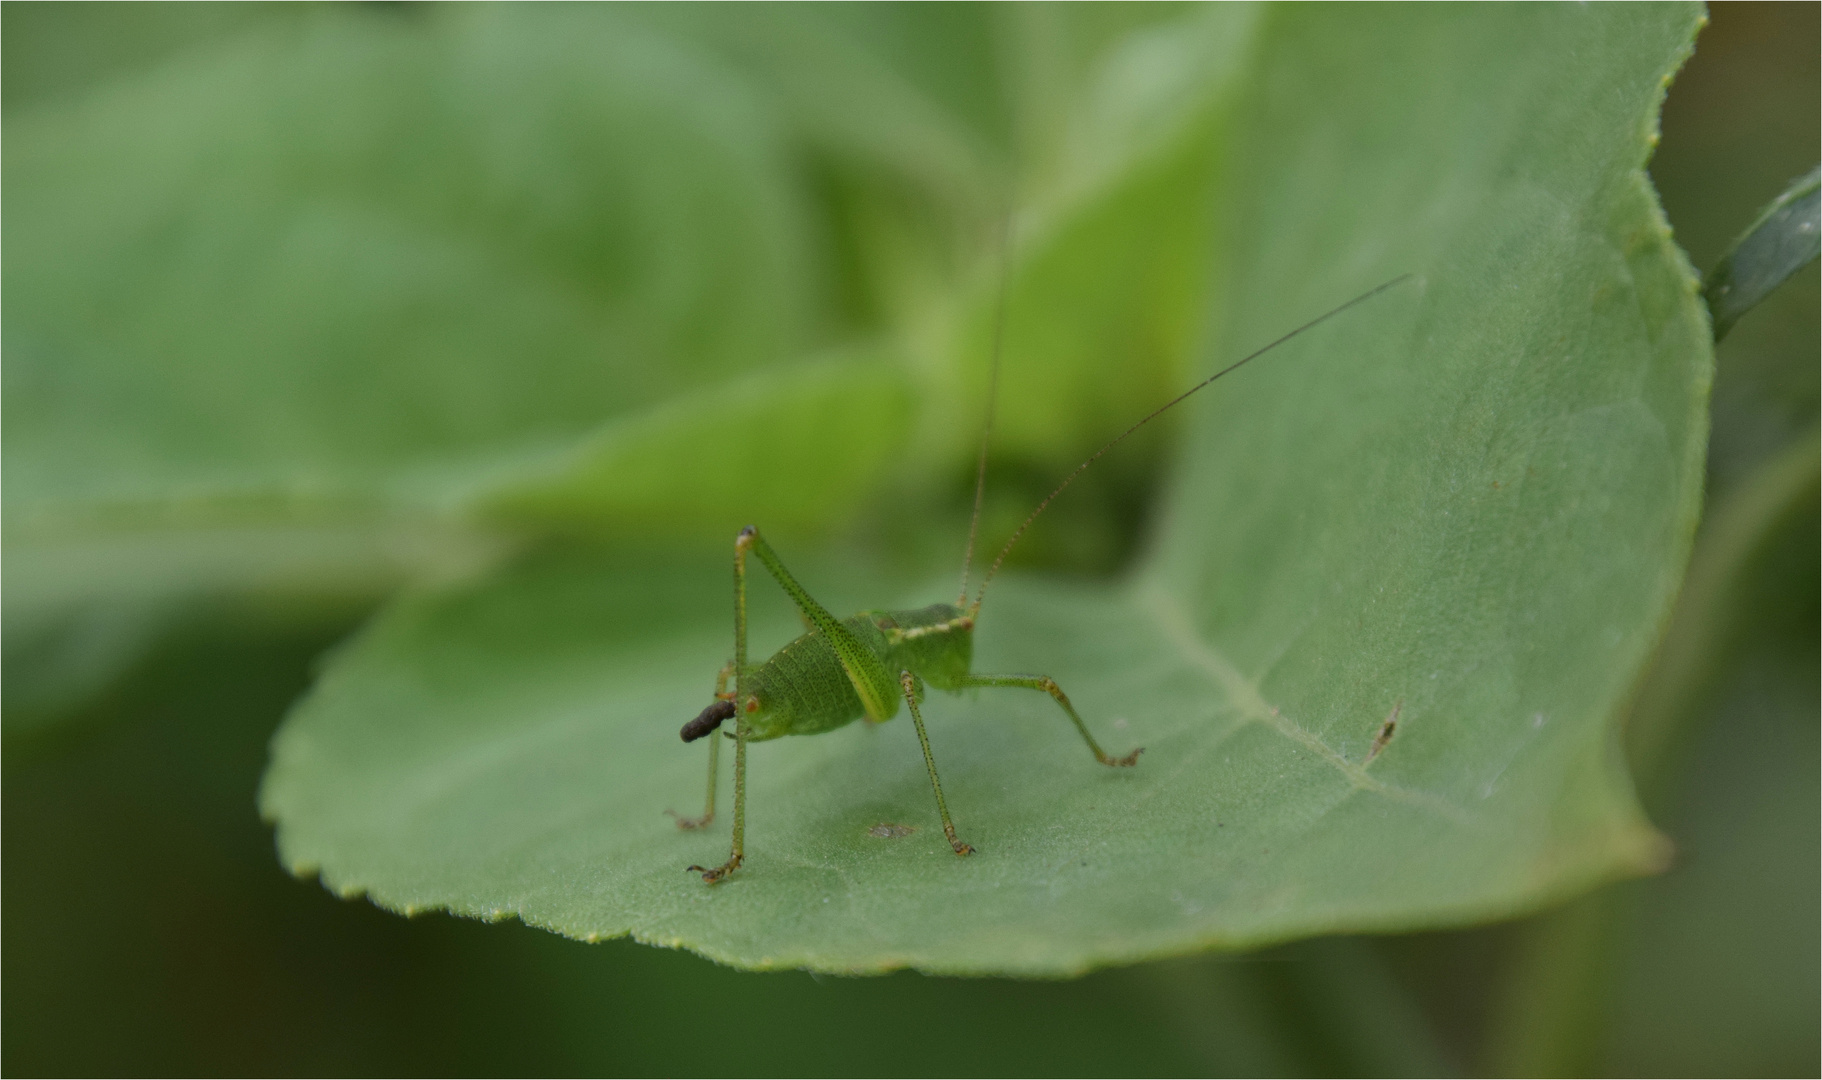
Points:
(974, 609)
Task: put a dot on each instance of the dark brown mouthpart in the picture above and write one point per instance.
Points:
(709, 719)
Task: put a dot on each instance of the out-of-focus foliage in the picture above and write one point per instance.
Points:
(146, 916)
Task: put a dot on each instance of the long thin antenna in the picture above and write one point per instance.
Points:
(993, 399)
(1155, 413)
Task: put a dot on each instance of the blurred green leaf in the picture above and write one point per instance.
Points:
(56, 49)
(1113, 155)
(324, 268)
(1105, 289)
(1786, 237)
(1470, 501)
(364, 298)
(334, 278)
(281, 307)
(710, 462)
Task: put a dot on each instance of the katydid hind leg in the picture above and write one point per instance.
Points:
(872, 680)
(1049, 686)
(708, 809)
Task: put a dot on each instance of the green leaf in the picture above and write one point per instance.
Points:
(1467, 504)
(1786, 237)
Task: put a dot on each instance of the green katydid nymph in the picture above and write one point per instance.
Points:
(843, 669)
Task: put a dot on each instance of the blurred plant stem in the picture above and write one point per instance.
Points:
(1327, 1006)
(1559, 994)
(1706, 626)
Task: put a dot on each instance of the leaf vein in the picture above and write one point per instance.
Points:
(1244, 695)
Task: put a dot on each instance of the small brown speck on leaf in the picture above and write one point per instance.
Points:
(1386, 731)
(885, 830)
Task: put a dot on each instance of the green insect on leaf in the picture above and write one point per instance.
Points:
(1465, 506)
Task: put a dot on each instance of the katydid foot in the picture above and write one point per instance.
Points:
(716, 875)
(693, 823)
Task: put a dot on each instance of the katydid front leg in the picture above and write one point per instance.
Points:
(741, 544)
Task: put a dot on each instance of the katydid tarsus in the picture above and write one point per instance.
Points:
(841, 670)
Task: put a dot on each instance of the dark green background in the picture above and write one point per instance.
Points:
(150, 930)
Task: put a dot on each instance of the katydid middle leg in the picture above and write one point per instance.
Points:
(908, 682)
(1049, 686)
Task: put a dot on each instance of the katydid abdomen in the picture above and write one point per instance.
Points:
(804, 690)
